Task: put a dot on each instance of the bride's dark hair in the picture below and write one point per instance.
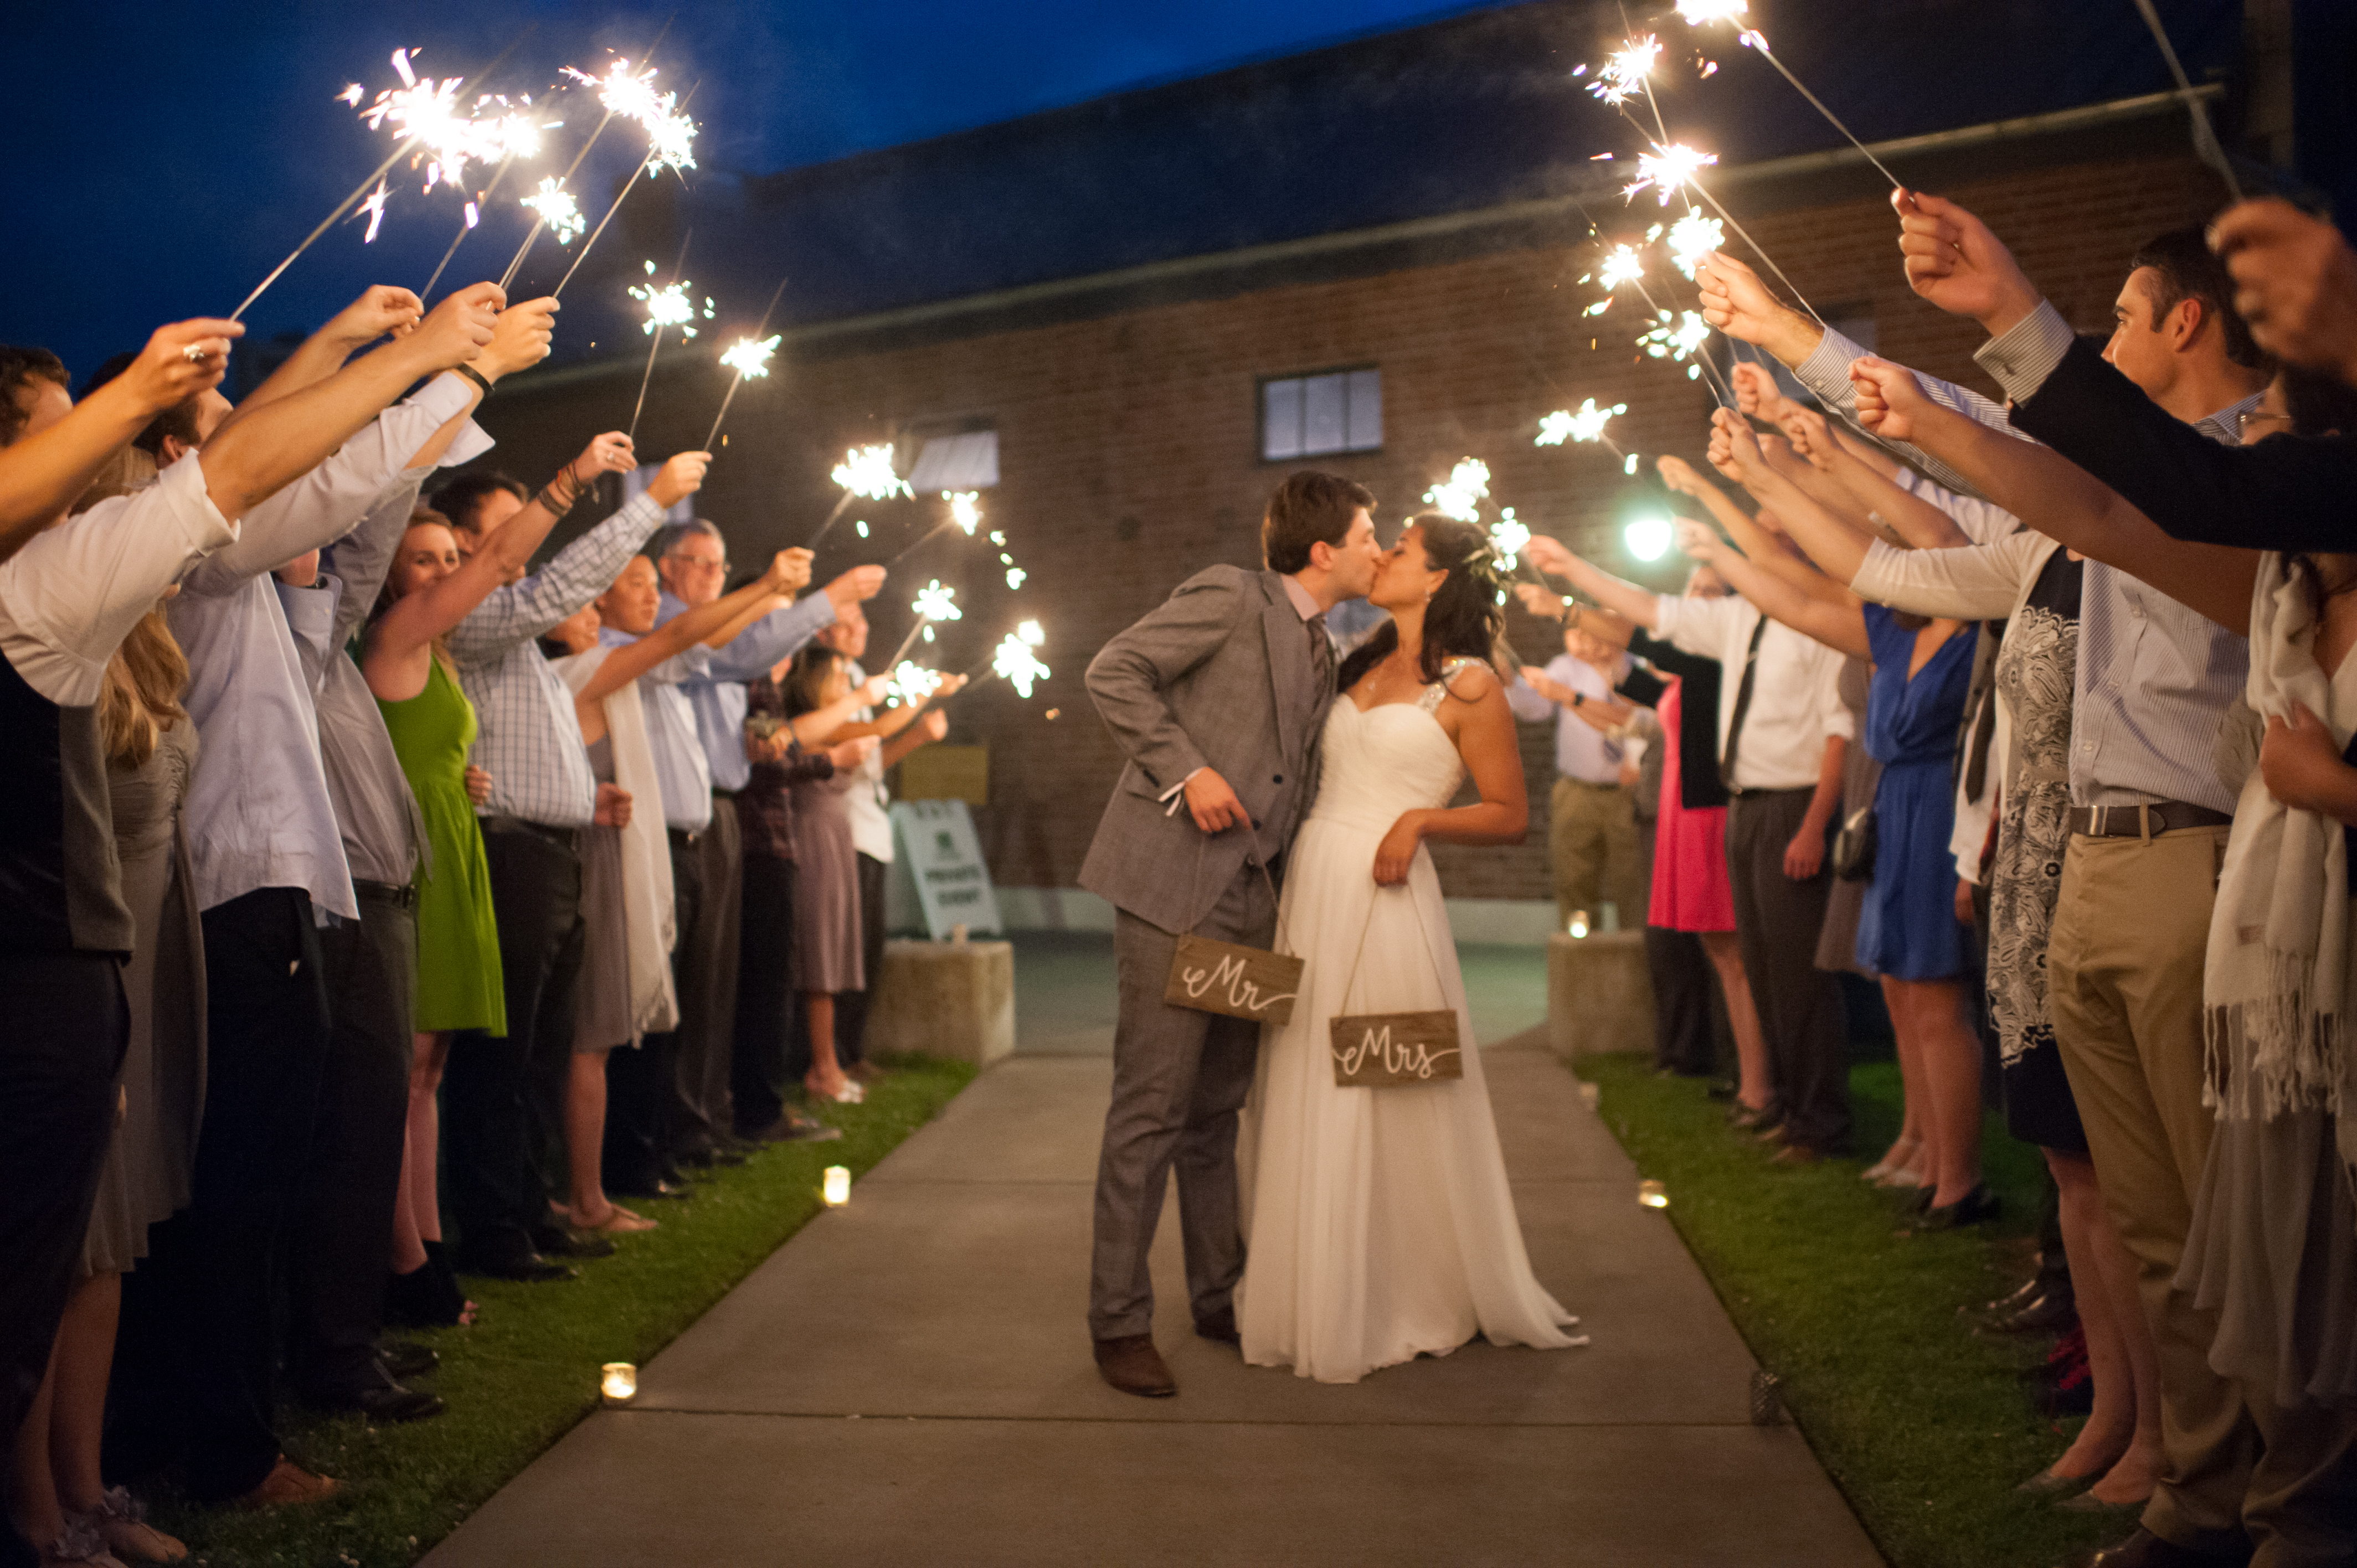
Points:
(1463, 620)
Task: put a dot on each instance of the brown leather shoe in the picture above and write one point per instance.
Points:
(288, 1483)
(1133, 1365)
(1219, 1327)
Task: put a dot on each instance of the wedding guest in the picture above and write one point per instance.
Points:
(197, 1366)
(692, 561)
(1592, 829)
(502, 1095)
(629, 870)
(869, 804)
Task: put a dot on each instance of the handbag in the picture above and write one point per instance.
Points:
(1854, 846)
(1391, 1050)
(1232, 980)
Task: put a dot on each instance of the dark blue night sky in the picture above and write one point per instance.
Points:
(165, 157)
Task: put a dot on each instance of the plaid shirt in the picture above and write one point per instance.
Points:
(527, 736)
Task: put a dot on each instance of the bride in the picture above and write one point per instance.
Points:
(1379, 1223)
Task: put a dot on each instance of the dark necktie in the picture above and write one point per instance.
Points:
(1321, 655)
(1742, 707)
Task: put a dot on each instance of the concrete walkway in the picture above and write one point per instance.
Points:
(907, 1380)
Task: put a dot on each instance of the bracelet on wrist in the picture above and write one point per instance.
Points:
(475, 376)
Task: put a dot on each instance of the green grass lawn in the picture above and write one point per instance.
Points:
(527, 1370)
(1919, 1419)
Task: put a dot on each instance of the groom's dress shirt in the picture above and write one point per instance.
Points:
(1795, 692)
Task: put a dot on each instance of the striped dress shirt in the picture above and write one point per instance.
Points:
(527, 738)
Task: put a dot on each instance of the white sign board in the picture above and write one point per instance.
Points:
(937, 863)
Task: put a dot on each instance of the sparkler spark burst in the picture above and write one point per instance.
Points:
(911, 683)
(557, 209)
(750, 357)
(867, 471)
(669, 306)
(374, 208)
(1460, 496)
(1692, 238)
(1029, 632)
(1702, 13)
(1510, 537)
(965, 510)
(1587, 425)
(934, 602)
(352, 94)
(1675, 340)
(1016, 660)
(1621, 264)
(1668, 169)
(1015, 577)
(1624, 74)
(670, 135)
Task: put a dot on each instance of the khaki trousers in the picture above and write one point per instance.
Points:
(1592, 841)
(2125, 964)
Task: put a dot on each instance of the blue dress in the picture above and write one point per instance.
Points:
(1909, 929)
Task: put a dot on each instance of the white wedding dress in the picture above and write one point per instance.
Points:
(1378, 1222)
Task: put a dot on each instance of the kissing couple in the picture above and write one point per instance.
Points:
(1379, 1219)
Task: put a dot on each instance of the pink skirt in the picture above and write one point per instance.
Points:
(1691, 892)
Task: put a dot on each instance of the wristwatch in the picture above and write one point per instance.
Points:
(1577, 698)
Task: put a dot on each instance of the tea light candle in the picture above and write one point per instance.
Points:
(1653, 1195)
(1579, 923)
(618, 1381)
(838, 1186)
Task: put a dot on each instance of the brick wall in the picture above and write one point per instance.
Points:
(1127, 445)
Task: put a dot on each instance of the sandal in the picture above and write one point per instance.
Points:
(618, 1221)
(121, 1522)
(1901, 1155)
(77, 1546)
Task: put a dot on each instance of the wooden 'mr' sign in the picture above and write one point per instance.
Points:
(1237, 981)
(1395, 1051)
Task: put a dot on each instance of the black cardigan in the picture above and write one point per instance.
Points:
(1699, 788)
(2289, 492)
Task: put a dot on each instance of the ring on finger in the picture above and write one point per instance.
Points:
(196, 353)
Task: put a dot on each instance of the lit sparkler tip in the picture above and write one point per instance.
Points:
(667, 306)
(1016, 662)
(374, 208)
(1510, 537)
(1624, 74)
(1460, 495)
(1692, 238)
(911, 683)
(1014, 577)
(868, 471)
(1675, 340)
(558, 211)
(1702, 13)
(670, 135)
(1553, 428)
(1621, 264)
(750, 357)
(965, 509)
(1668, 169)
(1030, 633)
(352, 94)
(936, 602)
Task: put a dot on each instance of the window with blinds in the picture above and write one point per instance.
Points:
(1311, 416)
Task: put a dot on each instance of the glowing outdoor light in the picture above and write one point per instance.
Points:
(617, 1382)
(1648, 537)
(837, 1190)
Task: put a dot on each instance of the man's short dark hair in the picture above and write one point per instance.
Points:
(457, 500)
(179, 420)
(18, 367)
(2189, 269)
(1309, 508)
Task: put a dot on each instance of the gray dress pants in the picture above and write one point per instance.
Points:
(1179, 1077)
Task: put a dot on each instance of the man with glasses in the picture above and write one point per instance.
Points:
(698, 725)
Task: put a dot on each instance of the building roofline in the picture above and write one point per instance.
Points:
(1540, 210)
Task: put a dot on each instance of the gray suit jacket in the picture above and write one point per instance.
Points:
(1218, 676)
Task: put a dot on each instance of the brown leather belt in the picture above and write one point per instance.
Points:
(403, 896)
(567, 838)
(2149, 821)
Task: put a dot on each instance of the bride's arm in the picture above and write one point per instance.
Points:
(1485, 739)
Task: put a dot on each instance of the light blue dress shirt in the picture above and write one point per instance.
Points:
(717, 696)
(680, 766)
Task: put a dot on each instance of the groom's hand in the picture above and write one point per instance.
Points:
(1212, 805)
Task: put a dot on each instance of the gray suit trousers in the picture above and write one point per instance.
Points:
(1179, 1077)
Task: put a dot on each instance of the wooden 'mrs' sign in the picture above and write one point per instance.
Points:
(1395, 1051)
(1238, 981)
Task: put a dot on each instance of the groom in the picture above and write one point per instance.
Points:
(1217, 697)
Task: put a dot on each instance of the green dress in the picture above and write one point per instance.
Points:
(459, 980)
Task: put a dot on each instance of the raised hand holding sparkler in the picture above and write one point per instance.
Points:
(1954, 261)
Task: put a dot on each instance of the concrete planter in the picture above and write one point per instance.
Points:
(1599, 994)
(955, 1000)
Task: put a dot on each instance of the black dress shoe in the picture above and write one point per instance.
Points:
(2145, 1550)
(384, 1401)
(554, 1241)
(1219, 1327)
(1977, 1207)
(1746, 1119)
(525, 1267)
(404, 1359)
(1721, 1090)
(2029, 1291)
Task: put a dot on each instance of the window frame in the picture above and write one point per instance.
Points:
(1261, 383)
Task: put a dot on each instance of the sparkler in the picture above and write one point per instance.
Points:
(358, 192)
(374, 207)
(559, 214)
(747, 357)
(864, 471)
(965, 512)
(670, 142)
(1510, 537)
(934, 603)
(1701, 12)
(1625, 74)
(911, 685)
(1586, 425)
(1692, 238)
(667, 306)
(1622, 264)
(1668, 169)
(1013, 661)
(2205, 136)
(1461, 494)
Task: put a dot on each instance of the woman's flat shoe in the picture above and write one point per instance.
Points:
(619, 1221)
(1976, 1208)
(849, 1094)
(1904, 1179)
(2047, 1484)
(1891, 1164)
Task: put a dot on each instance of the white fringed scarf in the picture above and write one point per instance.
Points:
(2276, 982)
(647, 913)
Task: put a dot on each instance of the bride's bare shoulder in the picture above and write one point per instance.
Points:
(1472, 680)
